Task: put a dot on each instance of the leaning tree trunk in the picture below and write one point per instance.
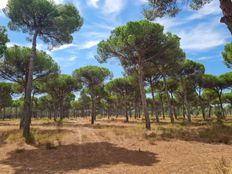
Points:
(143, 96)
(226, 6)
(27, 112)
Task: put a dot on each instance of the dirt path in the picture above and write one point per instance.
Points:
(101, 149)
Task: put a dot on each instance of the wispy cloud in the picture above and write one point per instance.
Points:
(63, 47)
(58, 1)
(203, 36)
(205, 58)
(93, 3)
(88, 44)
(209, 9)
(170, 22)
(3, 4)
(72, 59)
(113, 7)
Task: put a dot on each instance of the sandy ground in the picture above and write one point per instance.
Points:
(102, 149)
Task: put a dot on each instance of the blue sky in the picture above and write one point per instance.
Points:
(202, 35)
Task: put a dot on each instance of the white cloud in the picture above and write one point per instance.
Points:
(72, 58)
(93, 3)
(212, 8)
(203, 36)
(62, 47)
(59, 1)
(205, 58)
(88, 44)
(143, 1)
(3, 4)
(113, 6)
(11, 44)
(170, 22)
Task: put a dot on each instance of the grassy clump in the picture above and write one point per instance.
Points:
(59, 123)
(19, 150)
(217, 133)
(223, 167)
(84, 137)
(36, 137)
(128, 132)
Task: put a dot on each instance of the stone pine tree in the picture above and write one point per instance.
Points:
(43, 19)
(189, 74)
(13, 67)
(123, 89)
(92, 78)
(60, 89)
(135, 44)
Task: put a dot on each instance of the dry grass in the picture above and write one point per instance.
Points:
(223, 166)
(38, 137)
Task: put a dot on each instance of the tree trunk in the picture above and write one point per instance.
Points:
(173, 107)
(16, 112)
(203, 112)
(143, 97)
(226, 6)
(187, 106)
(27, 100)
(183, 111)
(174, 112)
(162, 105)
(210, 109)
(4, 112)
(126, 113)
(221, 105)
(169, 101)
(93, 110)
(153, 104)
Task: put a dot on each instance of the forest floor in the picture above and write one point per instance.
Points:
(114, 147)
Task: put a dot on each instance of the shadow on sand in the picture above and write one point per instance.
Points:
(75, 157)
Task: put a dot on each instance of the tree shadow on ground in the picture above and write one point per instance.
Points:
(75, 157)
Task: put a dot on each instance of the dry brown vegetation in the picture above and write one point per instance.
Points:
(112, 146)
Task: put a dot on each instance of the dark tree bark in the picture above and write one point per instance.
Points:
(226, 6)
(162, 106)
(27, 100)
(221, 105)
(203, 112)
(93, 114)
(187, 107)
(169, 101)
(154, 107)
(143, 96)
